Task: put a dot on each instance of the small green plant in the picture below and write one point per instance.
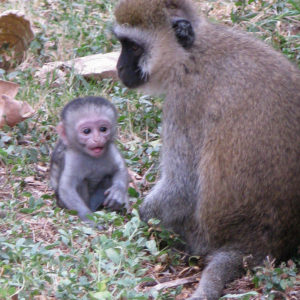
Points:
(270, 20)
(275, 279)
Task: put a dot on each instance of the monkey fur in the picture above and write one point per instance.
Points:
(87, 171)
(230, 163)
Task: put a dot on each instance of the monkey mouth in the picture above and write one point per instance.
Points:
(96, 151)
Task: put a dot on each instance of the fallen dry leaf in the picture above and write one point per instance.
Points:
(8, 88)
(12, 111)
(15, 37)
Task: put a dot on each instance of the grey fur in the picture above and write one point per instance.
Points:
(79, 179)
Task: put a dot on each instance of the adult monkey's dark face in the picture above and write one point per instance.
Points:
(128, 67)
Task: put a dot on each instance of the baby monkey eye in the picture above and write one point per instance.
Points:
(86, 131)
(103, 129)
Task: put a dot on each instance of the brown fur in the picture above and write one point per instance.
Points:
(148, 14)
(230, 183)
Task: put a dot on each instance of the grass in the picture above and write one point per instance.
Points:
(47, 253)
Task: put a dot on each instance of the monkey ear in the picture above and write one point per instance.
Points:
(60, 128)
(184, 32)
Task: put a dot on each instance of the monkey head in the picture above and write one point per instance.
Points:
(146, 40)
(88, 128)
(93, 133)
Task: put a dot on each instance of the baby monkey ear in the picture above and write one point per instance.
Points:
(184, 32)
(60, 128)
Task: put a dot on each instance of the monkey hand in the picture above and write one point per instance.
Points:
(146, 211)
(143, 212)
(115, 198)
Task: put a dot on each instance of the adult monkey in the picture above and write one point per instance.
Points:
(87, 171)
(230, 182)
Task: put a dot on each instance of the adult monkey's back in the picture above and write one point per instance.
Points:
(230, 183)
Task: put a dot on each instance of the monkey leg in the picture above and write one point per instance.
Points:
(97, 199)
(223, 267)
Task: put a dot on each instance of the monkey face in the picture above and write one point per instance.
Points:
(128, 66)
(145, 52)
(93, 135)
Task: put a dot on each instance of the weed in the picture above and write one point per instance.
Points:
(275, 280)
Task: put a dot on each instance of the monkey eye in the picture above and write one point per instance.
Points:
(86, 131)
(136, 49)
(103, 129)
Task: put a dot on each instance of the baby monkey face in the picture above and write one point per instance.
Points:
(93, 135)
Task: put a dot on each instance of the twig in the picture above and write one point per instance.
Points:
(176, 282)
(144, 180)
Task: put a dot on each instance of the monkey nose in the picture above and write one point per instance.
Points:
(96, 139)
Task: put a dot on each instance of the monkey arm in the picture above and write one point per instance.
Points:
(71, 183)
(70, 197)
(72, 200)
(57, 164)
(162, 198)
(151, 205)
(116, 195)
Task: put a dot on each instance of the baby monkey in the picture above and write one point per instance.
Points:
(87, 171)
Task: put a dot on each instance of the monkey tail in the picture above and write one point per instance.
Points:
(223, 267)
